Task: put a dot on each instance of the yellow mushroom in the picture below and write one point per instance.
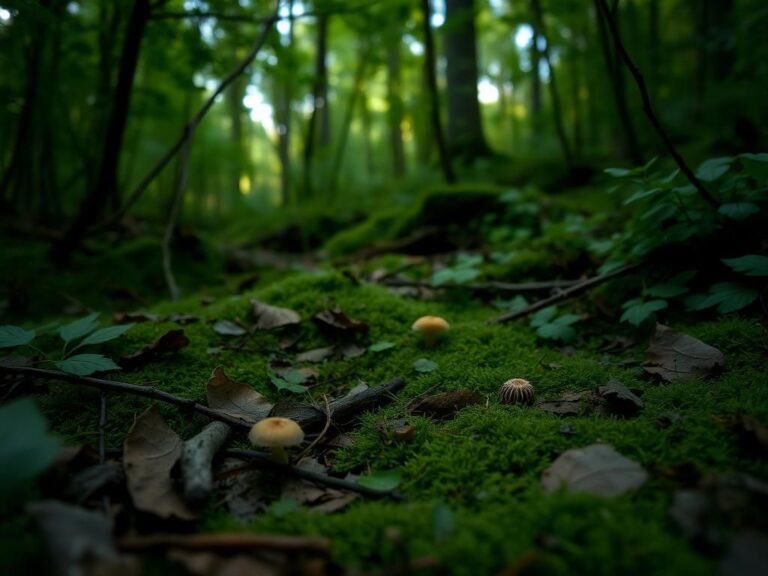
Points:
(276, 433)
(432, 327)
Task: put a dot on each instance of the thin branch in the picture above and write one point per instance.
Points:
(648, 107)
(115, 386)
(574, 290)
(189, 130)
(262, 459)
(228, 542)
(314, 442)
(487, 286)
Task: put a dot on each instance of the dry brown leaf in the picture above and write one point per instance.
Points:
(171, 341)
(337, 321)
(597, 469)
(445, 405)
(620, 400)
(235, 399)
(150, 451)
(675, 356)
(269, 317)
(316, 355)
(210, 564)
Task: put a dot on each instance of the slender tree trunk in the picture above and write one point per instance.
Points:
(284, 97)
(319, 130)
(557, 110)
(433, 97)
(365, 116)
(395, 111)
(465, 125)
(535, 82)
(95, 201)
(355, 93)
(616, 75)
(654, 48)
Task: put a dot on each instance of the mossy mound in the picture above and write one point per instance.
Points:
(483, 466)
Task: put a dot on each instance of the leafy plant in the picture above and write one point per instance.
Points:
(291, 381)
(66, 360)
(551, 326)
(463, 271)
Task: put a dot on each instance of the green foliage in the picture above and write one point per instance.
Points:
(424, 365)
(751, 264)
(463, 271)
(27, 448)
(291, 381)
(381, 346)
(79, 364)
(381, 479)
(551, 326)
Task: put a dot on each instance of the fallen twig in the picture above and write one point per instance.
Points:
(228, 541)
(314, 442)
(137, 389)
(262, 459)
(197, 456)
(574, 290)
(309, 417)
(486, 286)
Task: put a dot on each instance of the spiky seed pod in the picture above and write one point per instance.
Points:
(516, 391)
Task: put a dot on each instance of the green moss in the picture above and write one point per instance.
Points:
(485, 465)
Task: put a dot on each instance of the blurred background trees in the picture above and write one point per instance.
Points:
(335, 109)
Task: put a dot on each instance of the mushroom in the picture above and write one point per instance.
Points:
(516, 391)
(276, 433)
(431, 327)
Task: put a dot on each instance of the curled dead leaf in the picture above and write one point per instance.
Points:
(235, 399)
(269, 317)
(171, 341)
(674, 356)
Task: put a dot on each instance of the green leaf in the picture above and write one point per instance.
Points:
(556, 332)
(423, 365)
(543, 316)
(738, 210)
(11, 336)
(665, 290)
(79, 328)
(283, 507)
(639, 313)
(444, 276)
(756, 165)
(639, 195)
(84, 364)
(567, 319)
(464, 275)
(384, 480)
(27, 448)
(751, 264)
(106, 334)
(712, 169)
(443, 522)
(730, 297)
(284, 384)
(517, 303)
(381, 346)
(617, 172)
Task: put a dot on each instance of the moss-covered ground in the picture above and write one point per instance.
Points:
(484, 466)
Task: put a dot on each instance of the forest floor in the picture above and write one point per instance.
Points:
(469, 485)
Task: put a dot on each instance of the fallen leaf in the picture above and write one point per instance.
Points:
(210, 564)
(359, 387)
(424, 365)
(561, 407)
(620, 400)
(150, 451)
(352, 350)
(597, 469)
(381, 346)
(675, 356)
(171, 341)
(337, 321)
(384, 480)
(131, 317)
(242, 488)
(269, 317)
(445, 405)
(316, 355)
(183, 319)
(397, 430)
(228, 328)
(747, 555)
(235, 399)
(73, 536)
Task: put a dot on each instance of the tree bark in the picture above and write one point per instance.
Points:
(557, 111)
(95, 201)
(433, 99)
(465, 127)
(395, 111)
(319, 130)
(284, 97)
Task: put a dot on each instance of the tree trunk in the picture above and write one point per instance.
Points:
(284, 97)
(616, 75)
(535, 82)
(557, 110)
(433, 97)
(319, 130)
(356, 91)
(465, 126)
(106, 184)
(395, 111)
(365, 116)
